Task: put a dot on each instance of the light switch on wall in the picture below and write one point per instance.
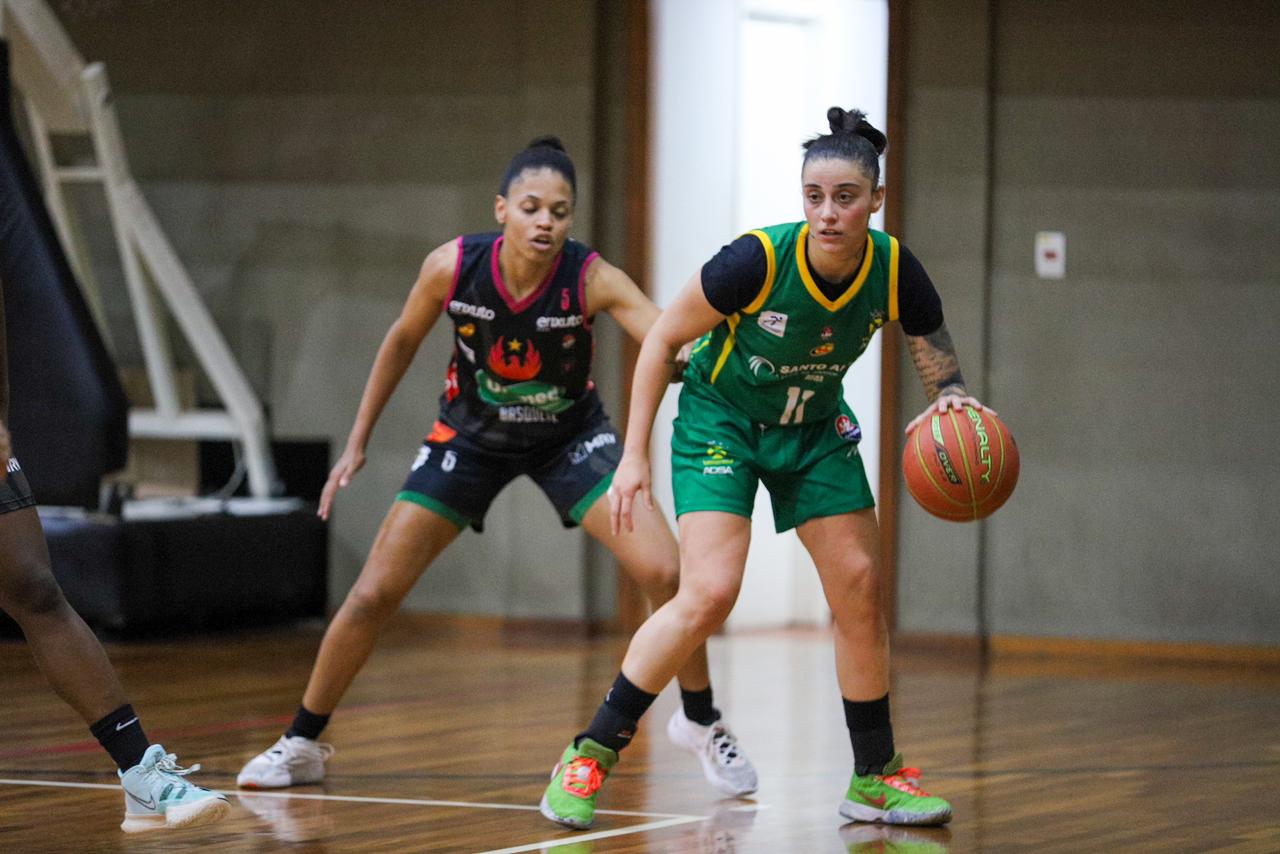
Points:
(1051, 255)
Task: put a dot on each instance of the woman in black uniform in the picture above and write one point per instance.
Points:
(156, 794)
(518, 400)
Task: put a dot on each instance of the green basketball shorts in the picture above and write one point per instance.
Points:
(719, 456)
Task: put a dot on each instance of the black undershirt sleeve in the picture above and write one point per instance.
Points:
(919, 306)
(734, 275)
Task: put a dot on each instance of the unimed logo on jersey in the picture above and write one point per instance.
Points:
(773, 322)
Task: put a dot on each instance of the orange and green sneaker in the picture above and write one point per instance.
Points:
(893, 796)
(570, 798)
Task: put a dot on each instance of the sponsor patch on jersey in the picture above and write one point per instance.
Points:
(822, 349)
(457, 306)
(564, 299)
(847, 429)
(441, 432)
(717, 460)
(568, 340)
(773, 322)
(827, 332)
(515, 359)
(761, 367)
(451, 389)
(526, 415)
(466, 330)
(571, 322)
(582, 450)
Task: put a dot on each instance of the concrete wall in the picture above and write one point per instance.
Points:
(304, 155)
(1149, 133)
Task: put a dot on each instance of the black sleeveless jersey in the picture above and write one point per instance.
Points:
(520, 376)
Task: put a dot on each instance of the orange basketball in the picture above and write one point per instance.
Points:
(961, 465)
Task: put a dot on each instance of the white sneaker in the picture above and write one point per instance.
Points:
(157, 797)
(294, 761)
(725, 765)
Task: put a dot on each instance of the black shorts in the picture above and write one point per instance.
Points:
(459, 479)
(15, 492)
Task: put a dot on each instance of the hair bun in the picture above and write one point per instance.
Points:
(855, 121)
(547, 141)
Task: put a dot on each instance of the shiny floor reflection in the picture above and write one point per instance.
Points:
(448, 735)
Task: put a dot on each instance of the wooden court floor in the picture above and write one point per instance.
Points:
(447, 737)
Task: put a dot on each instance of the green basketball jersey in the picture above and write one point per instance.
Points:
(780, 360)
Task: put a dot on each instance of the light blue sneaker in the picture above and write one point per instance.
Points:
(157, 797)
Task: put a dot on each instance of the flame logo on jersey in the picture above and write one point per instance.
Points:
(515, 359)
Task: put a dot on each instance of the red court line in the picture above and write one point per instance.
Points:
(90, 746)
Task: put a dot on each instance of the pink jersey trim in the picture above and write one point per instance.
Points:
(582, 289)
(519, 306)
(457, 274)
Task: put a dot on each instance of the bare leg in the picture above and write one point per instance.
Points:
(846, 551)
(650, 556)
(713, 555)
(410, 538)
(64, 648)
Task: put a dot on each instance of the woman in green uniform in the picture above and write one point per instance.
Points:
(779, 316)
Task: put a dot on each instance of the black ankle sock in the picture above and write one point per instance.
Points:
(120, 734)
(615, 722)
(307, 724)
(698, 707)
(871, 734)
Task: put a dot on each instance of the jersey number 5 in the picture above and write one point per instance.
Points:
(796, 399)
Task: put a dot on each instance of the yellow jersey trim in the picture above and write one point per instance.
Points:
(771, 261)
(733, 321)
(893, 278)
(802, 265)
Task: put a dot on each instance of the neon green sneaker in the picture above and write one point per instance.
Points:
(893, 796)
(570, 798)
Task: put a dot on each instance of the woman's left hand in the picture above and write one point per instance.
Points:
(945, 402)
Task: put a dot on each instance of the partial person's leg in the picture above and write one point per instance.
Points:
(650, 555)
(411, 537)
(846, 551)
(713, 553)
(64, 648)
(156, 794)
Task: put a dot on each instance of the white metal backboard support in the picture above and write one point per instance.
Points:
(63, 95)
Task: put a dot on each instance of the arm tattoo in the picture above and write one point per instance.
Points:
(935, 359)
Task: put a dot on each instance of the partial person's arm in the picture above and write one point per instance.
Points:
(688, 317)
(611, 290)
(934, 356)
(420, 312)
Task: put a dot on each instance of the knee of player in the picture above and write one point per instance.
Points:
(707, 606)
(370, 602)
(660, 578)
(857, 584)
(33, 592)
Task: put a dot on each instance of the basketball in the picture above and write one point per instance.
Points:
(961, 465)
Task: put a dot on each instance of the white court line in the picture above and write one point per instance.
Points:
(667, 818)
(603, 834)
